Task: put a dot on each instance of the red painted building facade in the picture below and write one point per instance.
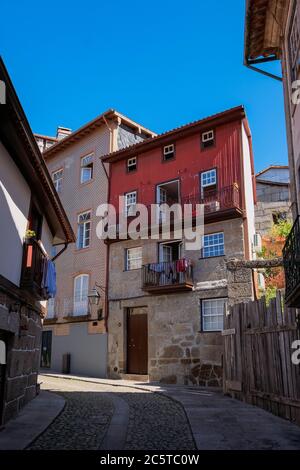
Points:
(191, 159)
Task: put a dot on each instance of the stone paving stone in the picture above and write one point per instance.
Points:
(155, 422)
(82, 424)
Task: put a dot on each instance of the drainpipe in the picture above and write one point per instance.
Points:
(60, 252)
(249, 64)
(111, 147)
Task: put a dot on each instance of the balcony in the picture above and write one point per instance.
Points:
(218, 204)
(167, 277)
(34, 260)
(67, 308)
(291, 261)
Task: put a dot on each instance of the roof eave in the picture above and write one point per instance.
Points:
(224, 117)
(110, 114)
(263, 23)
(29, 159)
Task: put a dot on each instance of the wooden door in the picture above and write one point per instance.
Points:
(46, 349)
(137, 341)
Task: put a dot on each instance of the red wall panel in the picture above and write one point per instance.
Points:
(190, 160)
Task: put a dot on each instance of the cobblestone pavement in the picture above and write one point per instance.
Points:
(154, 422)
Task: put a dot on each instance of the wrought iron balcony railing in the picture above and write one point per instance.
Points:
(171, 275)
(216, 200)
(223, 203)
(291, 261)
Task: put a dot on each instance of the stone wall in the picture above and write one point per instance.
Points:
(22, 330)
(178, 350)
(264, 214)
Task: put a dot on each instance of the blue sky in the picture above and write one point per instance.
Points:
(162, 63)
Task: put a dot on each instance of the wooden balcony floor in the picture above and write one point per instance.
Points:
(168, 289)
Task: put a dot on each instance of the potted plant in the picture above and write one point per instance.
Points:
(30, 235)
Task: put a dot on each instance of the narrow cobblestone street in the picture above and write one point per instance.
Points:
(144, 420)
(103, 415)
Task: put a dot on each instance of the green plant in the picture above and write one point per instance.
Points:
(30, 234)
(281, 229)
(270, 293)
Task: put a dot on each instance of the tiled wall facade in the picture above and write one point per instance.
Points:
(77, 198)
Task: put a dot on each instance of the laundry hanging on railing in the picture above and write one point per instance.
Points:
(182, 265)
(157, 267)
(49, 278)
(170, 267)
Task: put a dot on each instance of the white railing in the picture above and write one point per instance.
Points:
(67, 307)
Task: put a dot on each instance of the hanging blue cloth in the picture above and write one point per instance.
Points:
(50, 284)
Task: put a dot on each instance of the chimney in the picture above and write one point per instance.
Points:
(62, 132)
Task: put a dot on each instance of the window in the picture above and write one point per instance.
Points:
(213, 314)
(279, 217)
(81, 285)
(170, 251)
(50, 308)
(207, 139)
(213, 245)
(209, 179)
(130, 202)
(131, 164)
(49, 143)
(84, 230)
(57, 178)
(133, 258)
(86, 169)
(40, 143)
(294, 45)
(35, 221)
(169, 152)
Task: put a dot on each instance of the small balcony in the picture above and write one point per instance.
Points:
(34, 262)
(168, 277)
(291, 261)
(67, 308)
(218, 204)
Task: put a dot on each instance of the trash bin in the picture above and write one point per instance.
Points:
(66, 363)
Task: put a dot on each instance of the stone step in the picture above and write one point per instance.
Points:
(135, 377)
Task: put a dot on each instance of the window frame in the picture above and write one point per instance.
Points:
(165, 154)
(129, 205)
(212, 245)
(207, 186)
(81, 275)
(83, 223)
(87, 166)
(127, 250)
(208, 143)
(128, 165)
(202, 315)
(293, 55)
(60, 170)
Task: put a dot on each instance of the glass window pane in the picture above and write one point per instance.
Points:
(212, 314)
(213, 245)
